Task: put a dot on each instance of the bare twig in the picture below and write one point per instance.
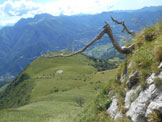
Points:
(123, 50)
(108, 31)
(82, 50)
(124, 26)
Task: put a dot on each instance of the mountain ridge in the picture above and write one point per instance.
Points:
(50, 33)
(51, 88)
(71, 89)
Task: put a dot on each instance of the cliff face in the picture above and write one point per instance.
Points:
(146, 106)
(137, 94)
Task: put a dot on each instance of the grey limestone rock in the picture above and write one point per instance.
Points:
(129, 96)
(139, 106)
(113, 109)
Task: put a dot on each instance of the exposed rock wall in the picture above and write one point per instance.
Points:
(138, 109)
(113, 110)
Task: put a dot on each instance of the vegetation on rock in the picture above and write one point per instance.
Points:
(145, 58)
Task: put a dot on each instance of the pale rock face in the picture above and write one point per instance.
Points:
(129, 66)
(160, 66)
(156, 103)
(148, 100)
(129, 95)
(160, 75)
(150, 80)
(113, 109)
(139, 106)
(59, 71)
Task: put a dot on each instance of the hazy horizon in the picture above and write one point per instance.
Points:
(13, 10)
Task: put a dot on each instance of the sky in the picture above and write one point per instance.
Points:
(13, 10)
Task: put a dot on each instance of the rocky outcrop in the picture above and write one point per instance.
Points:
(59, 71)
(139, 104)
(148, 100)
(129, 94)
(133, 78)
(156, 104)
(138, 108)
(138, 85)
(113, 109)
(160, 66)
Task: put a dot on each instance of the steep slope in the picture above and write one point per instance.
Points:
(136, 91)
(52, 89)
(45, 33)
(64, 89)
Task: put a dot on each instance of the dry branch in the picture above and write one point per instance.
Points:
(82, 50)
(123, 50)
(106, 30)
(124, 26)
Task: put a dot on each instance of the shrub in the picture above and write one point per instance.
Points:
(56, 90)
(155, 116)
(123, 109)
(157, 52)
(149, 34)
(144, 85)
(108, 103)
(103, 100)
(134, 96)
(158, 82)
(20, 79)
(103, 103)
(79, 101)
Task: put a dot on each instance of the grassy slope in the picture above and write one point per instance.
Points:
(3, 88)
(146, 58)
(51, 98)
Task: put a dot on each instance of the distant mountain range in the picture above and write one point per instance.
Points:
(45, 33)
(145, 9)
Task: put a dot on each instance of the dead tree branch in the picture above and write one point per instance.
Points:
(82, 50)
(124, 26)
(123, 50)
(106, 30)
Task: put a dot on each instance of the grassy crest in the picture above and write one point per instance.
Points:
(42, 94)
(71, 89)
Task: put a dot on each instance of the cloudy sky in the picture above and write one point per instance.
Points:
(12, 10)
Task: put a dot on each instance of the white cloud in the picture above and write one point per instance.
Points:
(24, 8)
(69, 7)
(141, 1)
(9, 20)
(18, 8)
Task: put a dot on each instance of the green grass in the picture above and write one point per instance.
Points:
(39, 94)
(17, 93)
(148, 51)
(3, 88)
(52, 95)
(158, 82)
(145, 58)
